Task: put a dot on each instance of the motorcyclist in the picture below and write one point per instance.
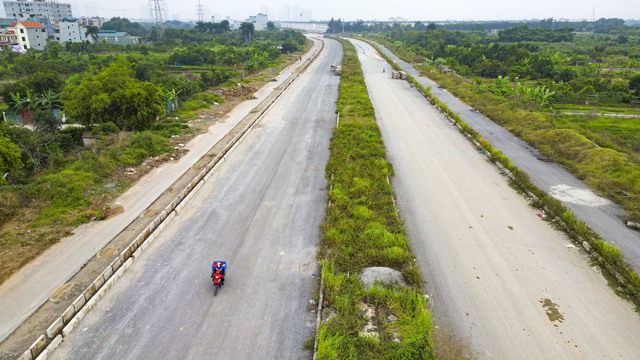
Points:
(219, 267)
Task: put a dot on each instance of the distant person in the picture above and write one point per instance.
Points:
(219, 267)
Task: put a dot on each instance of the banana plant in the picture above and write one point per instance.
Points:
(49, 100)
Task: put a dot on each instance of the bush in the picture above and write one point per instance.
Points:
(138, 147)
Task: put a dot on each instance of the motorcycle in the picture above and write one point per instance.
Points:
(218, 280)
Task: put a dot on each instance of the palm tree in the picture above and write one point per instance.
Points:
(247, 30)
(92, 32)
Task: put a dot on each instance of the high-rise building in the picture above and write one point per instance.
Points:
(23, 9)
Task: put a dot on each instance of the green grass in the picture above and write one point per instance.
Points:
(588, 109)
(622, 134)
(361, 229)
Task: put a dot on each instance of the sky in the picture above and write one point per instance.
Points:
(368, 9)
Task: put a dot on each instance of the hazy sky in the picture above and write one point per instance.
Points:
(370, 9)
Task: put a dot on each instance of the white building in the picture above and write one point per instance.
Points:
(30, 34)
(261, 22)
(92, 21)
(68, 30)
(23, 9)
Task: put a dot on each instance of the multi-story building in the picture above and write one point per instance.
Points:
(29, 34)
(260, 21)
(68, 30)
(23, 9)
(92, 21)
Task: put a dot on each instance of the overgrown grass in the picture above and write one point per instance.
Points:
(608, 255)
(362, 229)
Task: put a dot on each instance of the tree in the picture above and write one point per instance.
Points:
(271, 25)
(334, 26)
(247, 29)
(223, 27)
(92, 33)
(45, 121)
(52, 50)
(431, 26)
(113, 95)
(634, 84)
(10, 155)
(123, 24)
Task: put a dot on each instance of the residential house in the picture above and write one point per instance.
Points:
(92, 21)
(117, 38)
(68, 30)
(259, 21)
(8, 39)
(30, 34)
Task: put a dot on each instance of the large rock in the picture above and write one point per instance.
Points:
(369, 276)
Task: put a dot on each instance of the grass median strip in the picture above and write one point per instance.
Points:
(362, 230)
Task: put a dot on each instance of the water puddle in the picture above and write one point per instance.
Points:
(578, 196)
(552, 310)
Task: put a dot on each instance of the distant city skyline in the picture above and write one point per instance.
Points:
(185, 10)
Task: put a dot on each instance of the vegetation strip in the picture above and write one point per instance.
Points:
(361, 230)
(606, 255)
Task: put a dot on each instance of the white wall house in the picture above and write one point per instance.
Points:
(30, 34)
(23, 9)
(68, 30)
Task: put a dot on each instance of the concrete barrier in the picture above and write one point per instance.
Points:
(79, 303)
(55, 328)
(26, 355)
(44, 355)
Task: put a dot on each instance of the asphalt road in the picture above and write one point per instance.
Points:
(260, 211)
(502, 279)
(30, 287)
(603, 216)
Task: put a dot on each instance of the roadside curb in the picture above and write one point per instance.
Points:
(46, 343)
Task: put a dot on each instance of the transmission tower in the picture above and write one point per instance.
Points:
(156, 11)
(200, 11)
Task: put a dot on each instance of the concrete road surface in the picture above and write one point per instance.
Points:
(260, 211)
(500, 277)
(26, 290)
(603, 216)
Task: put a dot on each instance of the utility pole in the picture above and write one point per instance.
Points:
(200, 11)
